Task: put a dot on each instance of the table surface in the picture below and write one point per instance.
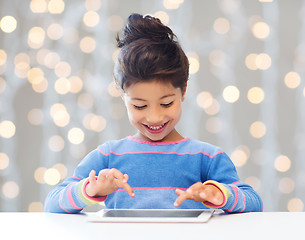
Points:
(273, 225)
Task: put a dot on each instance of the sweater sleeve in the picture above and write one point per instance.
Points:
(70, 195)
(238, 196)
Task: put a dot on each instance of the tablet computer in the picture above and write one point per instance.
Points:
(152, 215)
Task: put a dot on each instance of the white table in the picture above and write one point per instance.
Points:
(268, 225)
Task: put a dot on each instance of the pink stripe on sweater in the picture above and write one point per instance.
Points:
(187, 153)
(60, 204)
(236, 198)
(157, 143)
(245, 202)
(77, 178)
(152, 188)
(236, 182)
(70, 198)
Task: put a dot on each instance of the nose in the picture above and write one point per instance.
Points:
(154, 115)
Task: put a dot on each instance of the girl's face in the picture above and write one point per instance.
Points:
(154, 108)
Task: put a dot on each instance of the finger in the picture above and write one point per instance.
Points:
(116, 174)
(128, 189)
(102, 176)
(179, 191)
(92, 176)
(181, 199)
(126, 177)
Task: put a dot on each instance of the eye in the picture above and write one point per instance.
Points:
(139, 107)
(167, 105)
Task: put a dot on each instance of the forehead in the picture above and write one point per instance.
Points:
(151, 90)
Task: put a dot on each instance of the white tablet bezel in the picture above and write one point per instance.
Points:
(202, 218)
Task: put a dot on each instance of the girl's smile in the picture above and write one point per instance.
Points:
(154, 108)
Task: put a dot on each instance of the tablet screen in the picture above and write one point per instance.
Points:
(151, 213)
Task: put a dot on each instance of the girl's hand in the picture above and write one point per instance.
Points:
(200, 193)
(107, 181)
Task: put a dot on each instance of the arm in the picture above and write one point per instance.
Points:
(69, 196)
(225, 191)
(240, 197)
(85, 188)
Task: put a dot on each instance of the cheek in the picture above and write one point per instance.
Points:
(133, 115)
(176, 112)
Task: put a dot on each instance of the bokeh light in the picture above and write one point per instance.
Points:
(292, 80)
(56, 6)
(295, 205)
(258, 129)
(62, 86)
(256, 95)
(4, 161)
(193, 61)
(76, 84)
(36, 207)
(36, 37)
(55, 31)
(261, 30)
(260, 61)
(113, 90)
(93, 5)
(7, 129)
(240, 156)
(51, 176)
(38, 6)
(39, 175)
(35, 116)
(60, 115)
(282, 163)
(286, 185)
(172, 4)
(87, 44)
(2, 85)
(221, 25)
(230, 94)
(94, 122)
(163, 16)
(91, 18)
(8, 24)
(76, 135)
(63, 69)
(62, 169)
(56, 143)
(10, 189)
(3, 57)
(254, 182)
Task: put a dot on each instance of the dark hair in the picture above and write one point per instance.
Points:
(149, 51)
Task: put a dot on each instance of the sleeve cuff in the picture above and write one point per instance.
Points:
(225, 193)
(85, 197)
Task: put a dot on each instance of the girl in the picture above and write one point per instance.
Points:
(157, 167)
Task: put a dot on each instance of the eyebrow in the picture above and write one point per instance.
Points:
(165, 96)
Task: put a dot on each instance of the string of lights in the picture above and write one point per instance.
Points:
(58, 100)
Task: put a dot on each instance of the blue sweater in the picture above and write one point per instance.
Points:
(155, 170)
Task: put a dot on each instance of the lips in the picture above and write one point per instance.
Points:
(155, 129)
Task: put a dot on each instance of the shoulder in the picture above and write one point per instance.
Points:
(205, 148)
(111, 145)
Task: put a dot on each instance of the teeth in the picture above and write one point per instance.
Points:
(155, 127)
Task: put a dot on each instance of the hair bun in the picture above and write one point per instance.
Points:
(148, 27)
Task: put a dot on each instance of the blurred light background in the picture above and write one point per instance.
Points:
(246, 91)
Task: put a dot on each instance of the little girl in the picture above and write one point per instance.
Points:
(157, 167)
